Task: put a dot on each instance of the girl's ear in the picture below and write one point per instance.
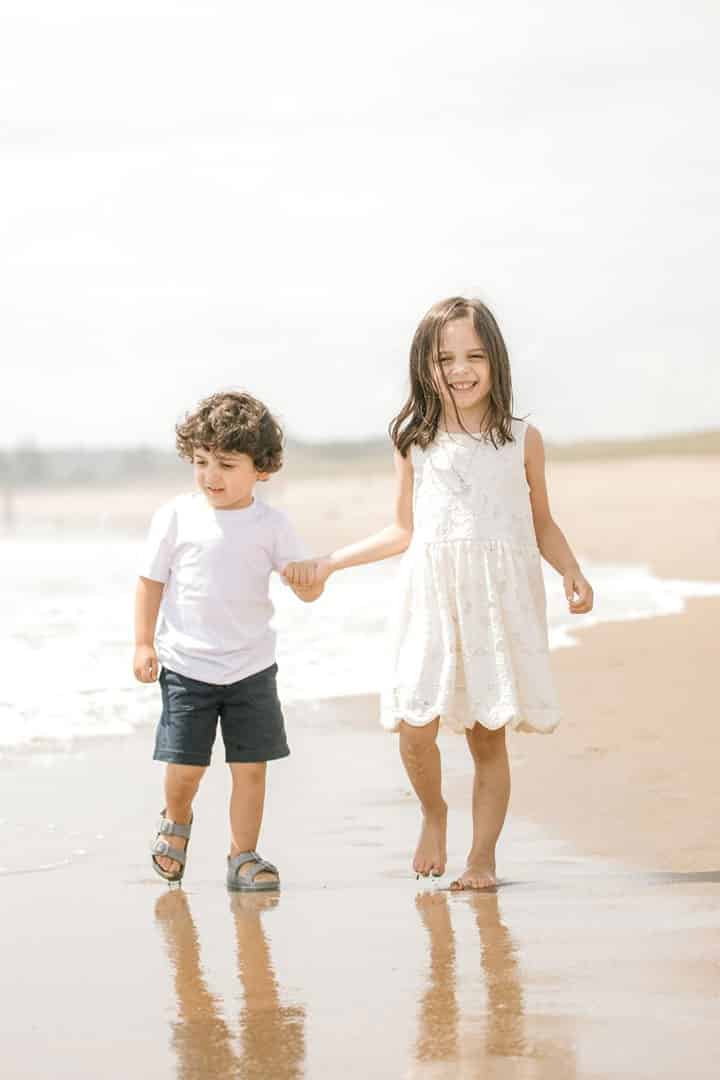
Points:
(264, 476)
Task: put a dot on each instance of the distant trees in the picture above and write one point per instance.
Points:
(28, 465)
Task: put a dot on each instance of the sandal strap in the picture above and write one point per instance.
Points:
(161, 847)
(166, 827)
(245, 857)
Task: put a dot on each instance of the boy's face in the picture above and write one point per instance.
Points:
(226, 478)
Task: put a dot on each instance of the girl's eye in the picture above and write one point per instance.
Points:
(474, 358)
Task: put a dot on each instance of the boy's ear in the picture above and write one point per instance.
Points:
(264, 475)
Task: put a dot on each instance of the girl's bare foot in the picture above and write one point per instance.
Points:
(476, 875)
(431, 853)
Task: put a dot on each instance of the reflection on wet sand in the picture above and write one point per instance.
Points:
(272, 1035)
(505, 1023)
(442, 1037)
(438, 1034)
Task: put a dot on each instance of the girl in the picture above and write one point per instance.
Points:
(469, 635)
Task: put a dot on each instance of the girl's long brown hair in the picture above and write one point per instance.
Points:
(420, 416)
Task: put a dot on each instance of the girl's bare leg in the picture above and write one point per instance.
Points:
(246, 810)
(181, 784)
(421, 758)
(491, 794)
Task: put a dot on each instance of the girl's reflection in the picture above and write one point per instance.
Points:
(438, 1038)
(505, 1026)
(272, 1035)
(441, 1039)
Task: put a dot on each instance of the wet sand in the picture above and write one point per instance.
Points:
(578, 966)
(597, 957)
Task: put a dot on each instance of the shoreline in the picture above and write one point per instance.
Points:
(624, 511)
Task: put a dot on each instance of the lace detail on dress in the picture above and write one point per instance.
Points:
(469, 637)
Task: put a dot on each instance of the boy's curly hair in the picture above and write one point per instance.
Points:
(235, 422)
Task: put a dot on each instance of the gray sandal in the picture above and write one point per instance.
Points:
(246, 882)
(165, 827)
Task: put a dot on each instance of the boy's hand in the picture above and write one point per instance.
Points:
(145, 664)
(574, 583)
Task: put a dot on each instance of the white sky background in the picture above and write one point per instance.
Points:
(202, 195)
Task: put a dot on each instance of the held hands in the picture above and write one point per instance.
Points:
(307, 578)
(577, 585)
(145, 664)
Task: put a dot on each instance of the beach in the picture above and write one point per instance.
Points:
(596, 957)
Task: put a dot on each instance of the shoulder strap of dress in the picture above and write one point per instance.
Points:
(519, 430)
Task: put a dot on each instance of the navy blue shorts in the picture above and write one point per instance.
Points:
(249, 712)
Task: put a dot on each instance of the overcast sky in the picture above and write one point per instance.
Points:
(203, 195)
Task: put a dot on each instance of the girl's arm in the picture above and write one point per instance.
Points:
(391, 540)
(551, 541)
(147, 605)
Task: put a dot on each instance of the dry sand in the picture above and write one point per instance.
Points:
(597, 958)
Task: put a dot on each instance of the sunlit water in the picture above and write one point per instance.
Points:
(66, 631)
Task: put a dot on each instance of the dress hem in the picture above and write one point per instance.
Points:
(530, 721)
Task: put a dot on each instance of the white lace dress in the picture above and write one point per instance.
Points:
(468, 636)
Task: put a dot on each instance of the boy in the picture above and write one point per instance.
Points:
(206, 570)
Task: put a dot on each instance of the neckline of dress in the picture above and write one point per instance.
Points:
(484, 435)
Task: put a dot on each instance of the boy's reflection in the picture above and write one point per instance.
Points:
(272, 1035)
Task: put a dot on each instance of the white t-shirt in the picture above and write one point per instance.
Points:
(215, 614)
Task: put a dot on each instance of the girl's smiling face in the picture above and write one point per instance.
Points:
(226, 478)
(463, 375)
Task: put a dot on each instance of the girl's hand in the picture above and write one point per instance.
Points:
(575, 583)
(145, 664)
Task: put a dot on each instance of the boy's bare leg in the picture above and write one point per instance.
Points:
(421, 758)
(246, 810)
(181, 784)
(491, 794)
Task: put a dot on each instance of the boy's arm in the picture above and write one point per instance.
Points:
(148, 596)
(289, 562)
